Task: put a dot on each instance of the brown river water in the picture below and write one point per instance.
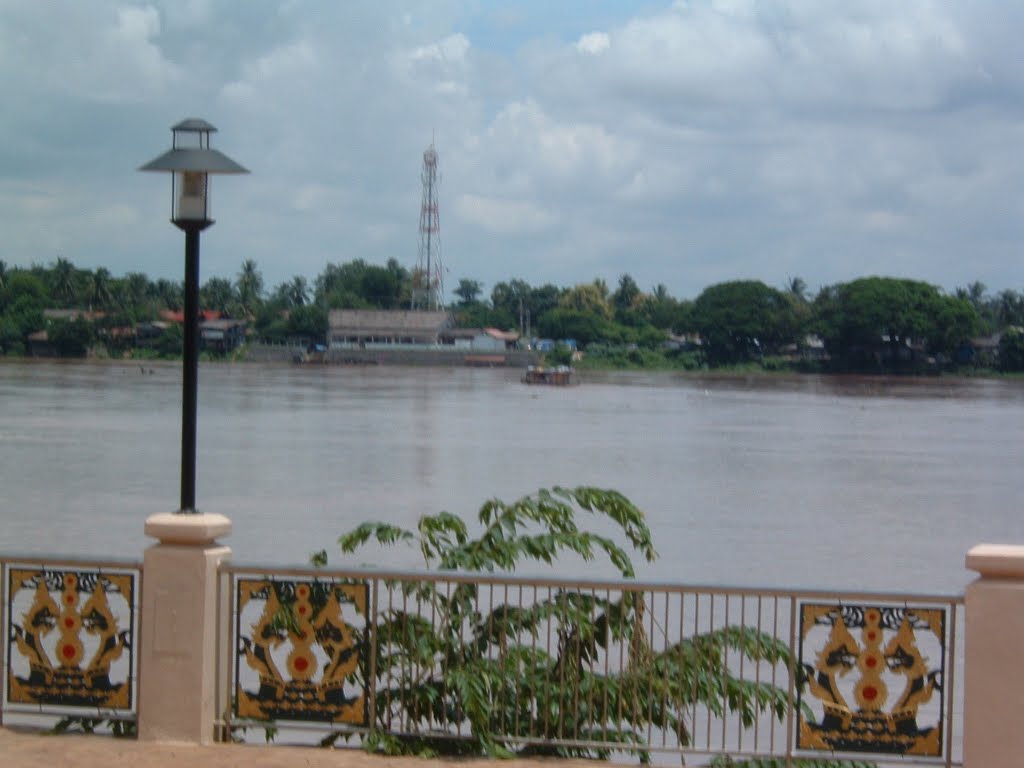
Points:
(816, 482)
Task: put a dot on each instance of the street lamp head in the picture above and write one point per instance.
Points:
(191, 161)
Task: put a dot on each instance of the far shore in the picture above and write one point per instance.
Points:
(725, 374)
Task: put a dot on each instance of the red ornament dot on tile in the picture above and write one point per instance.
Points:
(301, 664)
(871, 661)
(870, 693)
(68, 651)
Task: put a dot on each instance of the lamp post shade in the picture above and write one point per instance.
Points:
(191, 161)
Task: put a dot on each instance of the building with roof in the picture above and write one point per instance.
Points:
(417, 337)
(373, 328)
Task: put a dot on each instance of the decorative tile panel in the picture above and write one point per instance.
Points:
(871, 679)
(70, 638)
(299, 650)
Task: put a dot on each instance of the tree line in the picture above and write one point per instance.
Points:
(867, 324)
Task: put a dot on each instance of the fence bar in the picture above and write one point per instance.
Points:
(791, 693)
(6, 634)
(371, 635)
(950, 682)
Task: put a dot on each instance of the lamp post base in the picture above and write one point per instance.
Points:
(178, 654)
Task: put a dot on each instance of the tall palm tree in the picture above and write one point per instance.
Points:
(169, 293)
(217, 293)
(298, 291)
(63, 281)
(249, 286)
(99, 289)
(797, 288)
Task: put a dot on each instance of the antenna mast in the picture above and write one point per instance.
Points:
(428, 287)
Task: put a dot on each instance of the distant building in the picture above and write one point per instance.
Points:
(178, 316)
(39, 345)
(369, 328)
(73, 314)
(221, 335)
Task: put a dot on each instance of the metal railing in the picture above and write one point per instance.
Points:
(70, 627)
(587, 667)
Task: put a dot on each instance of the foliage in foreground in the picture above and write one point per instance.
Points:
(451, 660)
(121, 729)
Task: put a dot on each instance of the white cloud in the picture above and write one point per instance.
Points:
(594, 43)
(524, 133)
(504, 217)
(288, 63)
(452, 48)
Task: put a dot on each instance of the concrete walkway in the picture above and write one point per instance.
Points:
(32, 749)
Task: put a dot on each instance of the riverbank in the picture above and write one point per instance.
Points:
(587, 367)
(30, 749)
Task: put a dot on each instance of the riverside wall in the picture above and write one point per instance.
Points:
(269, 353)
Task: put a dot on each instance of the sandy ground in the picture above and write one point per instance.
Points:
(23, 749)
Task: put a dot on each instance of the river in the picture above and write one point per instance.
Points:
(807, 481)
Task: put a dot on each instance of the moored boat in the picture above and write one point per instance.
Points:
(558, 376)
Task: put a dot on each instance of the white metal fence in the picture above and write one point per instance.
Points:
(568, 667)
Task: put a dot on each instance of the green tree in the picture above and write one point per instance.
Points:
(659, 308)
(23, 285)
(171, 342)
(217, 294)
(485, 666)
(590, 298)
(873, 322)
(169, 294)
(133, 293)
(1011, 351)
(22, 302)
(797, 288)
(12, 340)
(309, 321)
(379, 287)
(101, 295)
(567, 323)
(542, 299)
(740, 319)
(64, 282)
(468, 291)
(71, 338)
(249, 287)
(510, 301)
(358, 285)
(1010, 308)
(297, 292)
(626, 296)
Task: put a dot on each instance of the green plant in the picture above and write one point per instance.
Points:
(483, 667)
(122, 729)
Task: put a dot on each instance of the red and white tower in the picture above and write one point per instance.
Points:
(427, 284)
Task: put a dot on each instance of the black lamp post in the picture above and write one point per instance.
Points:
(191, 161)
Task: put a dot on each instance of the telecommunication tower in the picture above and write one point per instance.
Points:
(428, 287)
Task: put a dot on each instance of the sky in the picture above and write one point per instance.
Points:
(683, 143)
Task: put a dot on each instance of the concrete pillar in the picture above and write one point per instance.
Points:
(178, 622)
(993, 660)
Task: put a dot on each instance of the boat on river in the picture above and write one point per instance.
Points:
(556, 376)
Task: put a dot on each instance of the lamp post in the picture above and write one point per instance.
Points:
(191, 162)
